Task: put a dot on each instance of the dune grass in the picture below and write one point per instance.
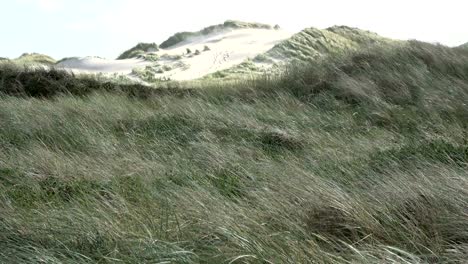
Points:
(355, 159)
(139, 50)
(464, 46)
(30, 59)
(312, 44)
(229, 24)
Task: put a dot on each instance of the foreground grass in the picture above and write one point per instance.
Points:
(268, 171)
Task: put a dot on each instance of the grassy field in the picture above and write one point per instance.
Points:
(353, 159)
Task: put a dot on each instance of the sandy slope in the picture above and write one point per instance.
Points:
(227, 49)
(95, 65)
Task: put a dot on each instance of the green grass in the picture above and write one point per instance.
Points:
(31, 59)
(464, 46)
(139, 50)
(246, 69)
(312, 44)
(24, 81)
(354, 159)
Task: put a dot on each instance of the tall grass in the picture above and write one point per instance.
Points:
(139, 50)
(40, 82)
(341, 162)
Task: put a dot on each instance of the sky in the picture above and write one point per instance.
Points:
(106, 28)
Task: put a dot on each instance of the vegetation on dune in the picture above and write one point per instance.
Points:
(230, 24)
(149, 73)
(307, 46)
(361, 37)
(312, 44)
(241, 24)
(171, 57)
(67, 59)
(49, 83)
(34, 58)
(246, 69)
(356, 158)
(416, 73)
(464, 46)
(139, 50)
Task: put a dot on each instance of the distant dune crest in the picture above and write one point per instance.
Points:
(227, 50)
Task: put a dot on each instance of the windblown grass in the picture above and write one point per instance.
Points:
(312, 44)
(463, 46)
(48, 83)
(139, 50)
(357, 159)
(31, 59)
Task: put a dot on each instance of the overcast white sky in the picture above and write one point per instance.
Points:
(63, 28)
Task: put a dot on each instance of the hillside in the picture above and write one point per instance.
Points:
(230, 50)
(311, 43)
(34, 59)
(188, 56)
(180, 37)
(96, 65)
(357, 158)
(307, 46)
(139, 50)
(464, 46)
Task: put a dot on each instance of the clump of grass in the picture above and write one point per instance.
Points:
(280, 140)
(247, 68)
(149, 57)
(463, 46)
(139, 50)
(32, 59)
(171, 57)
(312, 44)
(262, 58)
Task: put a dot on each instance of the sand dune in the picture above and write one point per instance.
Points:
(95, 65)
(226, 49)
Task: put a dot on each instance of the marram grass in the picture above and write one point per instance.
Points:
(353, 160)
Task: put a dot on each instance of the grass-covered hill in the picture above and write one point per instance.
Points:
(353, 158)
(229, 24)
(138, 50)
(464, 46)
(34, 59)
(307, 46)
(312, 43)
